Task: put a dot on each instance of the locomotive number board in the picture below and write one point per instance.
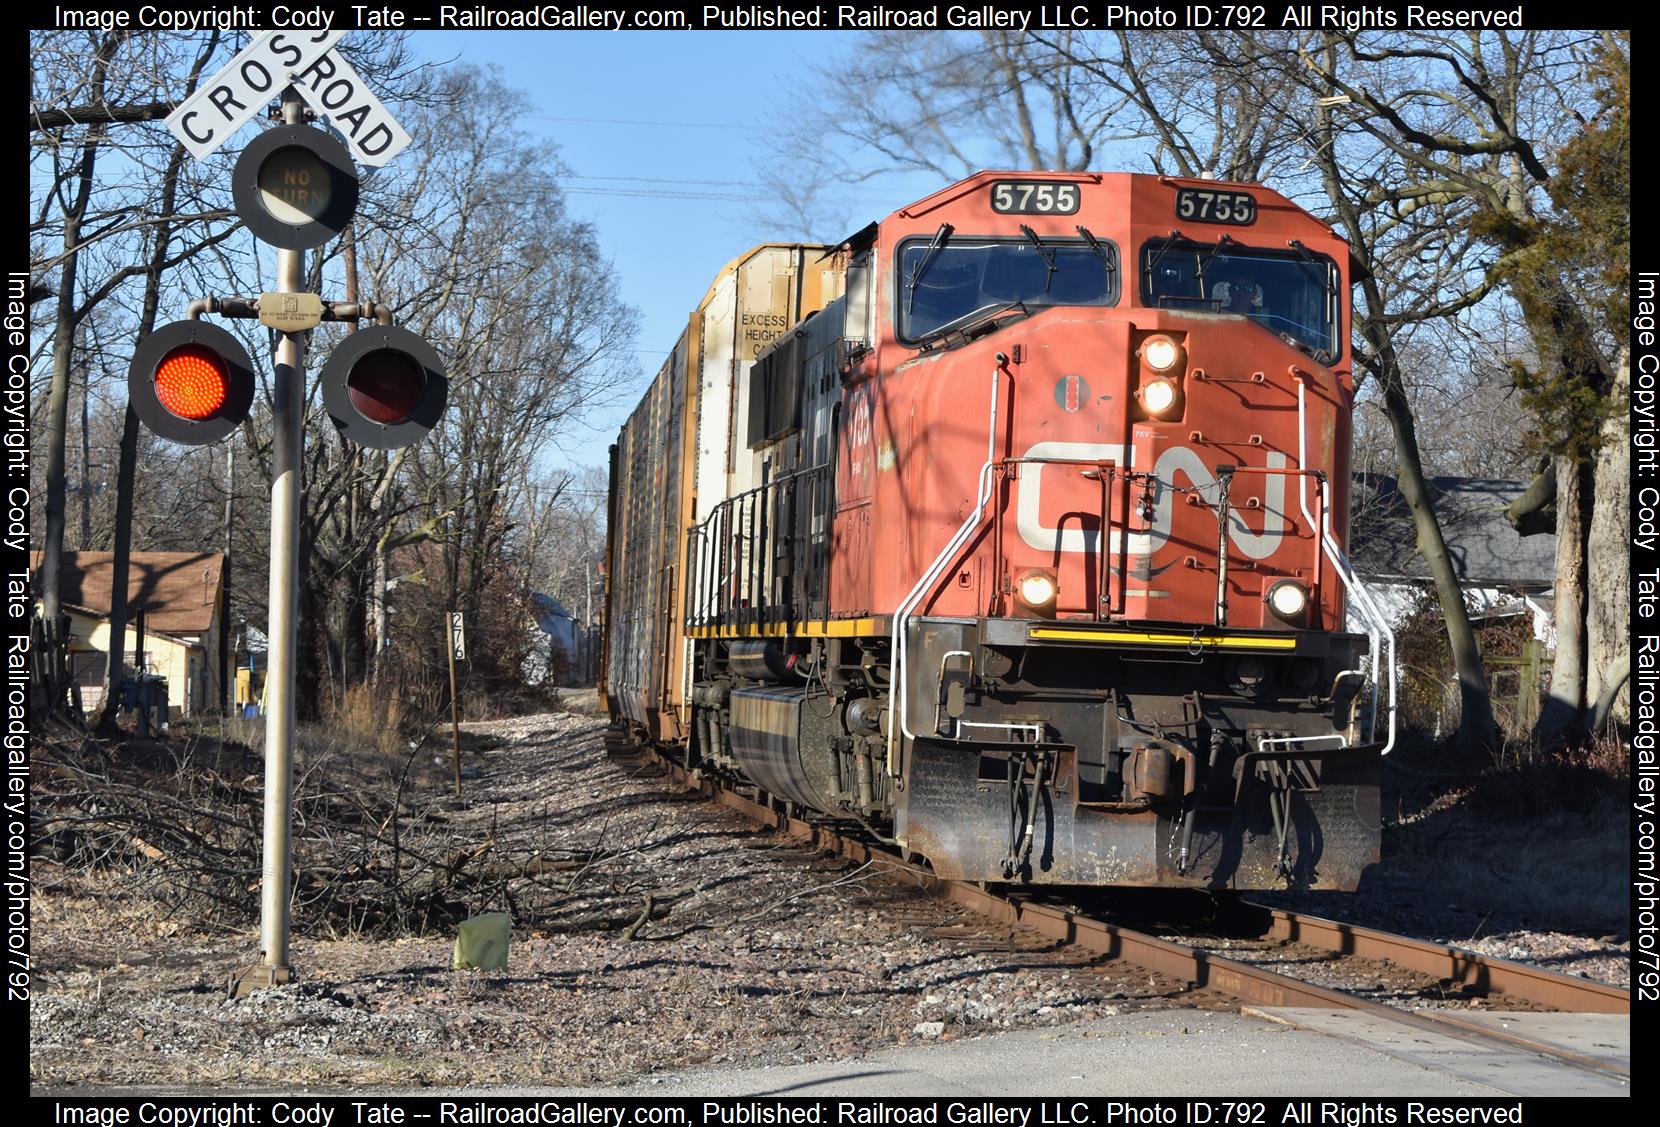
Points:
(1034, 197)
(1208, 206)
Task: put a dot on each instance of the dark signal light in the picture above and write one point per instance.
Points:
(384, 387)
(191, 382)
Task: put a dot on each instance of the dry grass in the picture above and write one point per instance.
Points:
(363, 720)
(373, 845)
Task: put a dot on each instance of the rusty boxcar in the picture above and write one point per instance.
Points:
(1012, 528)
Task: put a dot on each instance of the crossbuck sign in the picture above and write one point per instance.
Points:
(230, 99)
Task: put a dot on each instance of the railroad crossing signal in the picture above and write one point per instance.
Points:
(191, 382)
(295, 188)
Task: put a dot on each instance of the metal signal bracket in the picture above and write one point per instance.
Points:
(290, 312)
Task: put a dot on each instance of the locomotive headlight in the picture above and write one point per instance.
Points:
(1288, 600)
(1158, 396)
(1160, 353)
(1037, 589)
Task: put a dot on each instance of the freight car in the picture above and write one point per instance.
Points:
(1012, 528)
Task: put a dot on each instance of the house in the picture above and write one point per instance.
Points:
(182, 598)
(1508, 581)
(1501, 572)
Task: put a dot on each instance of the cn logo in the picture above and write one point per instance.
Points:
(1186, 462)
(858, 435)
(1177, 466)
(1072, 537)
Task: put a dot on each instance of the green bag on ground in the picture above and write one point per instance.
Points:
(481, 942)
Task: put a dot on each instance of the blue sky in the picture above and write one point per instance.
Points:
(678, 120)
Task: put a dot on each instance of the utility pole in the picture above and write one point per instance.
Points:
(225, 585)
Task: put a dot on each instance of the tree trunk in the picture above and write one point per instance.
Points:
(1564, 707)
(57, 400)
(359, 522)
(1608, 558)
(378, 603)
(311, 654)
(85, 490)
(63, 349)
(382, 531)
(1476, 726)
(115, 670)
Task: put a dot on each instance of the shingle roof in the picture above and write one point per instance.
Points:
(1485, 549)
(178, 590)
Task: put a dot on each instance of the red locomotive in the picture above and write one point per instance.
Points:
(1012, 528)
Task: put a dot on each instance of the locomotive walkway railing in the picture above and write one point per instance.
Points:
(762, 556)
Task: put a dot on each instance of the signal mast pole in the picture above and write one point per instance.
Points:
(192, 383)
(288, 422)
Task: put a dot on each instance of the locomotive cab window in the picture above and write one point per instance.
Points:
(947, 283)
(1293, 294)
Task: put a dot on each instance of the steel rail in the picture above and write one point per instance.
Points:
(1451, 964)
(1202, 969)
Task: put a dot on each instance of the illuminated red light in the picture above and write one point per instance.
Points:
(386, 385)
(192, 381)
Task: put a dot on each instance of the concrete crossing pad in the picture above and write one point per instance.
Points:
(1602, 1040)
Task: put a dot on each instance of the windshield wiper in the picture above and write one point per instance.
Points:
(1047, 253)
(1176, 236)
(941, 237)
(966, 327)
(1312, 265)
(1106, 256)
(1204, 262)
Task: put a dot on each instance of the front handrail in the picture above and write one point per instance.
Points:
(1377, 624)
(947, 555)
(995, 469)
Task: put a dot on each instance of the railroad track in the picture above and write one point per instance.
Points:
(1253, 986)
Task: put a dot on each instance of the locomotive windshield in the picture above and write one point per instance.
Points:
(947, 282)
(1291, 293)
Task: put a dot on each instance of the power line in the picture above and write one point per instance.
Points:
(658, 194)
(664, 180)
(629, 121)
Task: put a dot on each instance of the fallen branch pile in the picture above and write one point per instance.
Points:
(376, 850)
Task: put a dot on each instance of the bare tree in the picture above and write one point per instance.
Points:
(470, 243)
(1484, 127)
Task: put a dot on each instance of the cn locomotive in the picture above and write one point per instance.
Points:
(1011, 527)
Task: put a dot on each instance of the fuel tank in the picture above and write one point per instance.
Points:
(781, 738)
